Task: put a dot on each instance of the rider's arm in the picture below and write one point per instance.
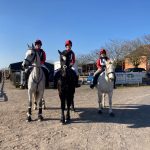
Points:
(73, 59)
(98, 64)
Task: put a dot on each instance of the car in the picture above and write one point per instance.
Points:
(119, 70)
(135, 70)
(89, 79)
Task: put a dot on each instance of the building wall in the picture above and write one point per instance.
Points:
(143, 64)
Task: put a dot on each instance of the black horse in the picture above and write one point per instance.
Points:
(66, 86)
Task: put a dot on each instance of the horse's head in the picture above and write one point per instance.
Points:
(30, 56)
(110, 70)
(63, 62)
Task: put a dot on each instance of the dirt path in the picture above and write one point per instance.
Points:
(128, 130)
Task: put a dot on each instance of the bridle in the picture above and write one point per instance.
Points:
(107, 73)
(34, 57)
(30, 64)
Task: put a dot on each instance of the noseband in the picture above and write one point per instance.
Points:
(64, 67)
(110, 73)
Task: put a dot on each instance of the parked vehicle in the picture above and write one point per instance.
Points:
(119, 70)
(135, 70)
(90, 78)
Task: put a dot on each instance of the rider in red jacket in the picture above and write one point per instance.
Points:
(69, 62)
(101, 64)
(70, 53)
(42, 54)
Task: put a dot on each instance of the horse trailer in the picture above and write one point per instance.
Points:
(17, 74)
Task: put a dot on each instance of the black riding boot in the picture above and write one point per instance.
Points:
(56, 77)
(114, 81)
(94, 80)
(77, 84)
(27, 74)
(46, 72)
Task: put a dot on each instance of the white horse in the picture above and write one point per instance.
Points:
(105, 86)
(36, 81)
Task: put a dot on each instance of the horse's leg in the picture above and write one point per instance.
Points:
(103, 100)
(62, 99)
(35, 102)
(40, 117)
(43, 103)
(110, 104)
(100, 102)
(72, 103)
(69, 101)
(29, 106)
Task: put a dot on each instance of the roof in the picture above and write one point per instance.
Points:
(18, 66)
(15, 66)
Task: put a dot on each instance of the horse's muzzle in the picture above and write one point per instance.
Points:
(23, 66)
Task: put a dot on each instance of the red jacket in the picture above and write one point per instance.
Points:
(71, 56)
(101, 62)
(42, 55)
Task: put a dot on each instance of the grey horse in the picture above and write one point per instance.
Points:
(36, 81)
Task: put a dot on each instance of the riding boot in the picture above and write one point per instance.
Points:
(46, 73)
(114, 81)
(56, 77)
(94, 80)
(27, 74)
(77, 84)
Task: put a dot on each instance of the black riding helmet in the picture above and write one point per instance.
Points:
(38, 42)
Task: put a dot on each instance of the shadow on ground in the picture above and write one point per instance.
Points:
(136, 116)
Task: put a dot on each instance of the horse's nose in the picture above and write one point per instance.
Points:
(111, 77)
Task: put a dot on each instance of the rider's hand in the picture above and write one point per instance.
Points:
(71, 64)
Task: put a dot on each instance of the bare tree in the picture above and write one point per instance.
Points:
(82, 59)
(146, 39)
(118, 50)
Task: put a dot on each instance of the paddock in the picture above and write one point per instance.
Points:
(129, 129)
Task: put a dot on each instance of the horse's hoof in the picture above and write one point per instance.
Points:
(40, 118)
(62, 122)
(28, 119)
(35, 108)
(68, 118)
(44, 107)
(112, 114)
(100, 112)
(67, 121)
(73, 109)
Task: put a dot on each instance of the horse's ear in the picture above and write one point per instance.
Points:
(28, 46)
(33, 46)
(59, 52)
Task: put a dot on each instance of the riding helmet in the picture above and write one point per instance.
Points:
(102, 51)
(38, 42)
(68, 42)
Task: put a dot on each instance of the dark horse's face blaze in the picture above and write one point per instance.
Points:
(63, 63)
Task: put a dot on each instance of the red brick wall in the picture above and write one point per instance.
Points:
(143, 64)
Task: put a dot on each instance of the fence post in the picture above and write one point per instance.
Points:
(2, 95)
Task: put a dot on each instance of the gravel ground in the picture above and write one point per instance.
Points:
(128, 130)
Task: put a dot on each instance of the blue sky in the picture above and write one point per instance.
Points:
(88, 23)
